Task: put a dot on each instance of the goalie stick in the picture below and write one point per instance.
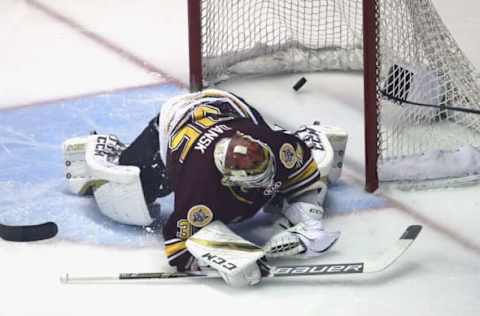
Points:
(379, 264)
(28, 232)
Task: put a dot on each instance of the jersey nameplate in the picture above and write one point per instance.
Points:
(209, 136)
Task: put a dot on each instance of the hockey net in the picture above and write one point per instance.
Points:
(422, 94)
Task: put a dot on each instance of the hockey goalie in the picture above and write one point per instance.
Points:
(224, 163)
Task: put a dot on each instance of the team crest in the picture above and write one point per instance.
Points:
(199, 216)
(288, 155)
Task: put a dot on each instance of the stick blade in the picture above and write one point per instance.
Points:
(26, 233)
(411, 232)
(387, 258)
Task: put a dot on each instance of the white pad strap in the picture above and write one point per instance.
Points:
(223, 250)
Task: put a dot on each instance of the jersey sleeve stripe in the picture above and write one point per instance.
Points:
(291, 190)
(171, 241)
(174, 248)
(302, 169)
(175, 256)
(304, 173)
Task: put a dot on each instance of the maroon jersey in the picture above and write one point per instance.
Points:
(200, 197)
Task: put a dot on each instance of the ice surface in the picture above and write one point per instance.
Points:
(438, 276)
(32, 186)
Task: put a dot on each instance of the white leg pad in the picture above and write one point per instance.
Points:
(89, 164)
(231, 255)
(338, 138)
(76, 170)
(123, 203)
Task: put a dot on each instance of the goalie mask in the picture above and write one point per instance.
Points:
(244, 161)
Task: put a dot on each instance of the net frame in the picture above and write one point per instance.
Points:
(372, 51)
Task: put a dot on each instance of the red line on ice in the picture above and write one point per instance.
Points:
(104, 42)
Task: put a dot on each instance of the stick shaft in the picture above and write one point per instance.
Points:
(368, 266)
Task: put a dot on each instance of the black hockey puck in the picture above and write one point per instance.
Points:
(299, 84)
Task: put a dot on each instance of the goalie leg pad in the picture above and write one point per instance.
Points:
(78, 150)
(119, 193)
(328, 145)
(76, 171)
(91, 165)
(232, 256)
(124, 203)
(338, 138)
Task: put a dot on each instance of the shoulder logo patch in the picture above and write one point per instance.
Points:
(288, 156)
(199, 216)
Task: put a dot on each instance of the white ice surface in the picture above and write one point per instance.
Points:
(41, 59)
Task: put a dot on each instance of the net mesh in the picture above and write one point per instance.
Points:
(249, 37)
(421, 71)
(419, 63)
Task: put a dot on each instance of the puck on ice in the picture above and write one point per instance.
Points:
(299, 84)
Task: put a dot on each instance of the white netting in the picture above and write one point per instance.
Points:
(268, 36)
(419, 63)
(413, 37)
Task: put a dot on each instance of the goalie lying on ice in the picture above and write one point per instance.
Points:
(224, 163)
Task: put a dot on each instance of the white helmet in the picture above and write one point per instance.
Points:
(244, 161)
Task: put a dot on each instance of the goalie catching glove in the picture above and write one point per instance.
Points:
(307, 239)
(302, 234)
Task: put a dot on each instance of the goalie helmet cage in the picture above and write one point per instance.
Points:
(414, 74)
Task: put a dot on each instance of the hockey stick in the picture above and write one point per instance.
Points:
(368, 266)
(439, 106)
(28, 232)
